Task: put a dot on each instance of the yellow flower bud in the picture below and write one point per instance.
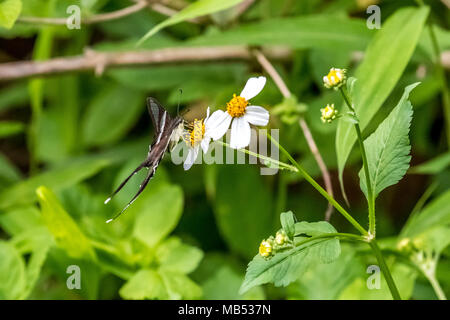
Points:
(328, 113)
(403, 244)
(280, 237)
(335, 78)
(265, 248)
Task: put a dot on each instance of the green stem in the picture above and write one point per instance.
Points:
(370, 194)
(341, 235)
(319, 188)
(384, 268)
(280, 164)
(436, 286)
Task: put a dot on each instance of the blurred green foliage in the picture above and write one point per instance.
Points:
(68, 140)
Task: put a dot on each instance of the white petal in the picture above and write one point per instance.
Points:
(207, 114)
(190, 159)
(205, 144)
(240, 133)
(253, 87)
(217, 124)
(256, 115)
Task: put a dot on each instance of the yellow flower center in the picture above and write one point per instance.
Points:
(328, 112)
(236, 106)
(195, 132)
(265, 249)
(334, 76)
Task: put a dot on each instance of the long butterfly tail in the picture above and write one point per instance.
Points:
(142, 165)
(150, 174)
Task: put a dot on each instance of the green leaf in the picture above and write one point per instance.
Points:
(436, 213)
(224, 284)
(12, 272)
(328, 251)
(111, 114)
(173, 255)
(287, 266)
(378, 73)
(10, 128)
(18, 220)
(59, 178)
(145, 284)
(66, 232)
(179, 286)
(8, 172)
(9, 12)
(13, 96)
(197, 9)
(243, 219)
(157, 213)
(33, 270)
(288, 223)
(319, 283)
(388, 147)
(211, 76)
(312, 31)
(433, 166)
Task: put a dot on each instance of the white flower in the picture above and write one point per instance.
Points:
(196, 136)
(240, 115)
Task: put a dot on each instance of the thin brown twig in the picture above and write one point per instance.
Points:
(138, 6)
(265, 63)
(108, 16)
(99, 61)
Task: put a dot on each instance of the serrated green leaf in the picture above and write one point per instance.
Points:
(197, 9)
(286, 266)
(378, 73)
(9, 11)
(330, 250)
(388, 147)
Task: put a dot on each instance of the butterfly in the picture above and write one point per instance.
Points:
(168, 131)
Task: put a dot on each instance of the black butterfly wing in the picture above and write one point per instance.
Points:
(160, 117)
(164, 126)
